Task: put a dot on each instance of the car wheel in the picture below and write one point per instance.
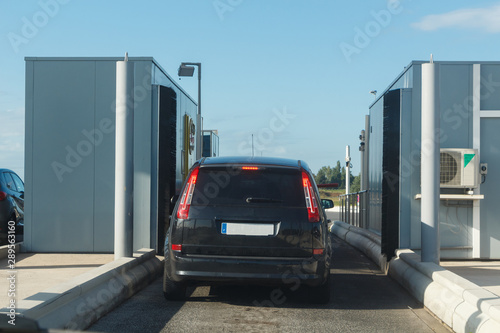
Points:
(172, 290)
(320, 294)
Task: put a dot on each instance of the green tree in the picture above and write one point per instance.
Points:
(320, 177)
(327, 175)
(337, 174)
(356, 184)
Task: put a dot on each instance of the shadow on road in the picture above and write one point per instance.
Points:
(356, 283)
(358, 290)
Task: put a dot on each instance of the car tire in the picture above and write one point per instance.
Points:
(321, 294)
(172, 290)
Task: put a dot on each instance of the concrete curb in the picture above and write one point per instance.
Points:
(81, 301)
(364, 240)
(459, 303)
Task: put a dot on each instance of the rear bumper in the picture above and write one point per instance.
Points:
(276, 271)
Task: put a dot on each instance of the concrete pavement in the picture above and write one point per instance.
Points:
(333, 213)
(39, 271)
(453, 297)
(364, 300)
(71, 291)
(485, 274)
(466, 293)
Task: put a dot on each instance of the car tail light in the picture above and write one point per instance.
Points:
(311, 202)
(251, 168)
(318, 251)
(177, 247)
(187, 195)
(3, 195)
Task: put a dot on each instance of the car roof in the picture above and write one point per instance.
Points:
(276, 161)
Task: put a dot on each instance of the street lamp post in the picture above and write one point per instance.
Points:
(187, 69)
(347, 169)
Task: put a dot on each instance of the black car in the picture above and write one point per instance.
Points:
(11, 205)
(248, 220)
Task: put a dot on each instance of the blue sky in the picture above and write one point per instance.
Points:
(314, 60)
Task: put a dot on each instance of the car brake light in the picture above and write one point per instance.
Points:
(177, 247)
(311, 202)
(318, 251)
(3, 195)
(252, 168)
(187, 195)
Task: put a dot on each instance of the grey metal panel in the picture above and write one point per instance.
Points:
(163, 73)
(185, 105)
(490, 209)
(490, 87)
(456, 253)
(455, 219)
(414, 157)
(156, 65)
(456, 127)
(28, 159)
(456, 105)
(416, 64)
(179, 173)
(375, 167)
(111, 59)
(189, 108)
(142, 154)
(214, 144)
(64, 103)
(455, 228)
(456, 97)
(403, 80)
(104, 142)
(456, 117)
(159, 78)
(70, 103)
(154, 165)
(406, 169)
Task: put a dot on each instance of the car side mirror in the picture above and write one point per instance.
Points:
(327, 203)
(22, 195)
(174, 199)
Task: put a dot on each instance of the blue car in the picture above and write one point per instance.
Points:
(11, 205)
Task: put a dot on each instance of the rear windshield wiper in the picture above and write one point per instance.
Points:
(261, 200)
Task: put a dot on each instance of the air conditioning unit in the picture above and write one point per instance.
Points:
(459, 168)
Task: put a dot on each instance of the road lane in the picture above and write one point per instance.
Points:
(364, 300)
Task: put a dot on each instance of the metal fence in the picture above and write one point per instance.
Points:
(353, 208)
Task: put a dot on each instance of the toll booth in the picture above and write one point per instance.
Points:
(210, 143)
(70, 152)
(469, 104)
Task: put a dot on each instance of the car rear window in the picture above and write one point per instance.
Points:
(234, 186)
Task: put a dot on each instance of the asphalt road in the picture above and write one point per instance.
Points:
(364, 300)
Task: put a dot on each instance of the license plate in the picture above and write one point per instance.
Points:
(247, 229)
